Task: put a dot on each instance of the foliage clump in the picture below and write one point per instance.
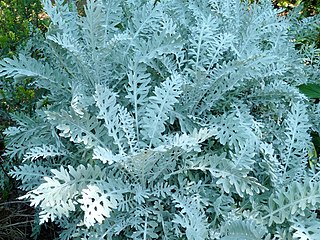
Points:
(168, 120)
(17, 19)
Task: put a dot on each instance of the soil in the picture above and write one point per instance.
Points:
(17, 219)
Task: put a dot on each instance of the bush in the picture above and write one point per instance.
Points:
(19, 21)
(168, 120)
(310, 7)
(17, 18)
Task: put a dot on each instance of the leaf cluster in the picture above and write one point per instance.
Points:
(168, 120)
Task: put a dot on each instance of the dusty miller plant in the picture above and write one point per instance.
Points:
(168, 120)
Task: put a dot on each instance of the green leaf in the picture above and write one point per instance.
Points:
(310, 90)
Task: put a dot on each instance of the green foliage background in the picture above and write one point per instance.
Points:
(310, 7)
(18, 18)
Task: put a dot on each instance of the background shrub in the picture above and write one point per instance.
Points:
(18, 20)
